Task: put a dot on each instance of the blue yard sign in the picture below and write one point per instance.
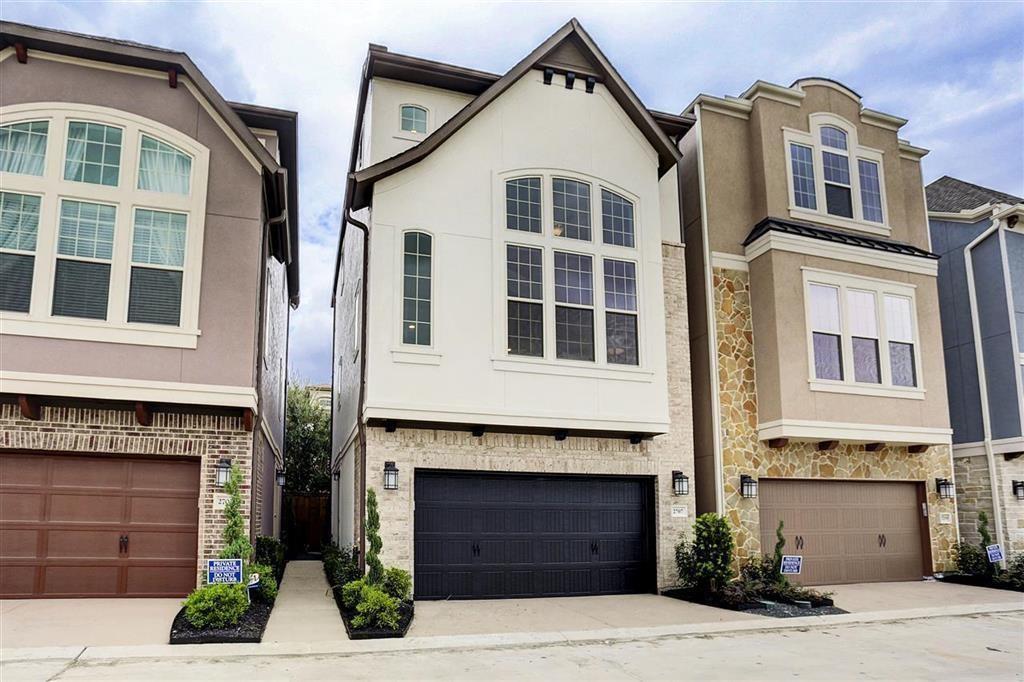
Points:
(791, 564)
(995, 553)
(226, 571)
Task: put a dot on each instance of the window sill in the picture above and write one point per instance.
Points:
(875, 391)
(415, 356)
(411, 137)
(837, 221)
(560, 368)
(105, 332)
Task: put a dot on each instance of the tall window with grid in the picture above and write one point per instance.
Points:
(522, 205)
(158, 261)
(19, 226)
(620, 302)
(416, 284)
(525, 307)
(616, 219)
(571, 202)
(574, 306)
(93, 153)
(85, 247)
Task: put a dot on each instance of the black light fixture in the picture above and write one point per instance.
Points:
(223, 472)
(945, 488)
(390, 476)
(1018, 490)
(336, 475)
(748, 486)
(680, 483)
(279, 477)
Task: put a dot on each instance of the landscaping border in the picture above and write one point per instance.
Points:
(249, 629)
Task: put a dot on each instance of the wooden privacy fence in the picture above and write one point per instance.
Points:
(306, 522)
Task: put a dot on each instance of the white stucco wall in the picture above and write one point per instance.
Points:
(457, 195)
(385, 109)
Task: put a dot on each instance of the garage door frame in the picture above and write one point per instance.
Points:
(42, 562)
(649, 520)
(920, 488)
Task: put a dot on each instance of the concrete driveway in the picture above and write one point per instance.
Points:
(85, 622)
(870, 597)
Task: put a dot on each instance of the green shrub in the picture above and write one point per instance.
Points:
(270, 552)
(376, 609)
(970, 560)
(709, 559)
(236, 539)
(1013, 576)
(216, 606)
(266, 592)
(374, 568)
(397, 583)
(340, 566)
(352, 592)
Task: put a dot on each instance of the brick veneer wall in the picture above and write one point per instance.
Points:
(459, 450)
(744, 453)
(115, 432)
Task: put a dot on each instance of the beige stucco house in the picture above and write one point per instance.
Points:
(819, 384)
(511, 351)
(148, 262)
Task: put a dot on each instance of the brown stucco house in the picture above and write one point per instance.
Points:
(148, 263)
(819, 383)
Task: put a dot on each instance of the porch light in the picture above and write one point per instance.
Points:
(279, 476)
(748, 486)
(945, 488)
(680, 483)
(390, 476)
(223, 472)
(1018, 490)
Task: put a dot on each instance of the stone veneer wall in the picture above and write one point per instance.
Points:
(973, 495)
(412, 449)
(71, 430)
(743, 453)
(1007, 471)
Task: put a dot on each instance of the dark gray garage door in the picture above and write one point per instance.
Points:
(483, 535)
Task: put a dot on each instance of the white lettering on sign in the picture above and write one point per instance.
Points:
(791, 564)
(995, 553)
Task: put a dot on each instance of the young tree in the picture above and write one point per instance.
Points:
(307, 443)
(236, 540)
(374, 568)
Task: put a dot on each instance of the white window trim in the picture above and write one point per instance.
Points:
(127, 197)
(412, 134)
(880, 288)
(400, 346)
(596, 249)
(854, 152)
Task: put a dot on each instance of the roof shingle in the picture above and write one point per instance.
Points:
(949, 195)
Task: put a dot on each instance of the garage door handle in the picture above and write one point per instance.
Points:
(885, 540)
(123, 542)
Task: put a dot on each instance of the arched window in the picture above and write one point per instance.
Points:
(416, 288)
(414, 119)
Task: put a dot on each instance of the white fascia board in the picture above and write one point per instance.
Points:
(842, 252)
(499, 418)
(802, 430)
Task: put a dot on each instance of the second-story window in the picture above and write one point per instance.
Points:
(620, 312)
(158, 259)
(19, 225)
(616, 219)
(23, 147)
(574, 306)
(838, 190)
(414, 119)
(93, 153)
(522, 204)
(571, 201)
(899, 322)
(525, 291)
(162, 168)
(826, 332)
(416, 283)
(85, 248)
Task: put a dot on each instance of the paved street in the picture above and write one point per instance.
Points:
(989, 647)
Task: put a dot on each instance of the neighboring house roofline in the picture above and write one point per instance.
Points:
(950, 198)
(137, 55)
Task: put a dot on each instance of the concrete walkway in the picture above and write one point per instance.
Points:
(304, 611)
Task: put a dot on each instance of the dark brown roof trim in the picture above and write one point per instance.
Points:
(667, 152)
(834, 236)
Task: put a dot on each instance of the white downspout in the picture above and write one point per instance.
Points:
(982, 385)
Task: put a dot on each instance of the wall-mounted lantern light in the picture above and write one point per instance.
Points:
(223, 472)
(390, 476)
(279, 476)
(1018, 490)
(336, 475)
(748, 486)
(944, 487)
(680, 483)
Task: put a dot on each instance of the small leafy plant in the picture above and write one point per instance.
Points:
(216, 606)
(266, 590)
(397, 583)
(376, 609)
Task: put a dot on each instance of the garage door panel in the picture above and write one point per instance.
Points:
(17, 581)
(165, 477)
(87, 581)
(143, 545)
(21, 470)
(162, 510)
(533, 535)
(21, 506)
(82, 544)
(19, 543)
(95, 472)
(74, 508)
(160, 580)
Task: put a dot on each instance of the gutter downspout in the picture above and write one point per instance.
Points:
(982, 385)
(360, 424)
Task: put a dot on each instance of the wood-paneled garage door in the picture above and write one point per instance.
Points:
(73, 526)
(847, 531)
(508, 535)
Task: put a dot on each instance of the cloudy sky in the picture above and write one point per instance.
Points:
(954, 69)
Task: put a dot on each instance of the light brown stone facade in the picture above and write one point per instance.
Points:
(115, 432)
(413, 449)
(974, 494)
(743, 453)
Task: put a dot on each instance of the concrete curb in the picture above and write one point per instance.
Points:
(505, 640)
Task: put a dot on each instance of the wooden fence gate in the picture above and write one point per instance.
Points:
(307, 522)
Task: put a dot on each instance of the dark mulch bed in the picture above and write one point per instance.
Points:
(819, 607)
(977, 581)
(405, 614)
(249, 628)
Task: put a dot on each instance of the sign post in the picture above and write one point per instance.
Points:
(223, 571)
(791, 564)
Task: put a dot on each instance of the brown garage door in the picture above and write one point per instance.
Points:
(97, 526)
(847, 531)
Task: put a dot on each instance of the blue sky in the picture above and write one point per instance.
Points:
(954, 69)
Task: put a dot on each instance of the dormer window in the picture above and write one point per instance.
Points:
(414, 119)
(833, 179)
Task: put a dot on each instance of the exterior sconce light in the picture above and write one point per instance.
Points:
(945, 488)
(279, 476)
(390, 476)
(336, 475)
(680, 483)
(1018, 490)
(748, 486)
(223, 472)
